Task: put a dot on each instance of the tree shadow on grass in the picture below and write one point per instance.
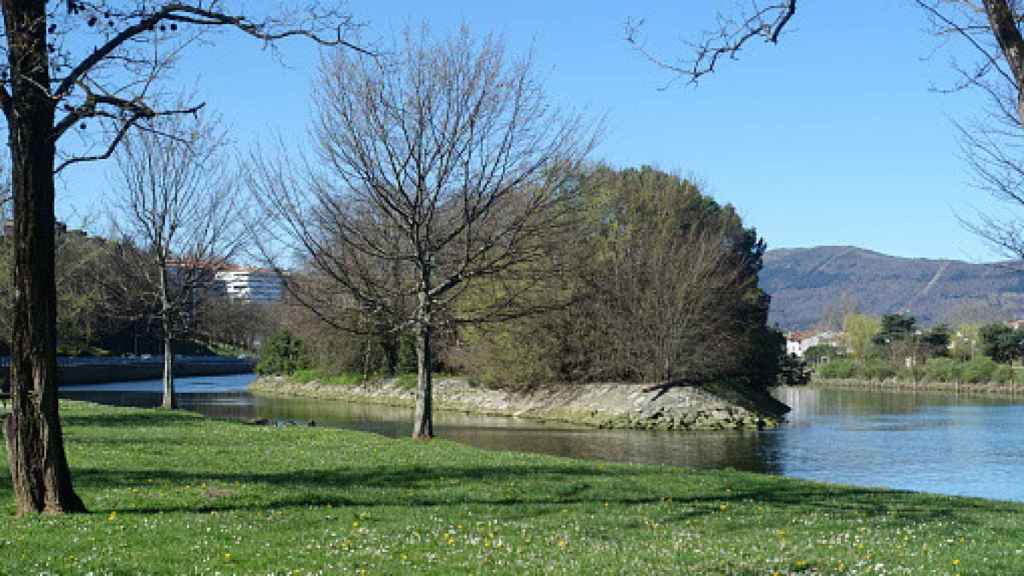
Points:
(140, 418)
(550, 489)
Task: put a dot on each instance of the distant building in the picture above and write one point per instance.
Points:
(250, 284)
(798, 342)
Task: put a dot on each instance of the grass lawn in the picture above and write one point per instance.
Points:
(406, 380)
(179, 494)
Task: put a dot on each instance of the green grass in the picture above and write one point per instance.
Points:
(406, 381)
(332, 379)
(178, 494)
(224, 349)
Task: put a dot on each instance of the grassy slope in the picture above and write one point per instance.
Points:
(175, 493)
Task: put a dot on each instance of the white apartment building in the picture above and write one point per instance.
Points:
(798, 342)
(250, 284)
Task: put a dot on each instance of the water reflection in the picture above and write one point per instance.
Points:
(917, 441)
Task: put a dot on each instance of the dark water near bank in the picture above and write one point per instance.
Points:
(925, 441)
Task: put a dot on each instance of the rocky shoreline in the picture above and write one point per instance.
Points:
(608, 405)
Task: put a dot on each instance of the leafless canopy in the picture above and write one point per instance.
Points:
(107, 57)
(446, 158)
(990, 29)
(177, 202)
(991, 143)
(435, 168)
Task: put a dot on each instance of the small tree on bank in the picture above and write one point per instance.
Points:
(437, 167)
(179, 206)
(1001, 343)
(859, 331)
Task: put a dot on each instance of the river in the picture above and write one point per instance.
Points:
(915, 441)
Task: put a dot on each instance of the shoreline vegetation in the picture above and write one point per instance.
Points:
(223, 497)
(1009, 389)
(894, 353)
(605, 405)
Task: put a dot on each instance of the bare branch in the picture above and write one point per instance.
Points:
(765, 22)
(438, 167)
(193, 13)
(137, 112)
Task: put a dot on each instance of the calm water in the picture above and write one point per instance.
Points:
(927, 442)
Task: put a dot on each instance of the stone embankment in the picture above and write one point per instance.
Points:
(71, 371)
(599, 405)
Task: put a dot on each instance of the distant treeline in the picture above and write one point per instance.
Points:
(894, 347)
(108, 303)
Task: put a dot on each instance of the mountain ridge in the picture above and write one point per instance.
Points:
(815, 286)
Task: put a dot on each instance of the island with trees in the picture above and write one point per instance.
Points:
(457, 222)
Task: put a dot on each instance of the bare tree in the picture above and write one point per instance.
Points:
(125, 277)
(437, 167)
(69, 61)
(990, 143)
(178, 203)
(238, 323)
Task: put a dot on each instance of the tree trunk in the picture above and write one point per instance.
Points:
(423, 427)
(1003, 22)
(391, 345)
(168, 401)
(40, 477)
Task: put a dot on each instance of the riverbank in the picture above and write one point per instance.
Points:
(598, 405)
(101, 370)
(173, 493)
(1007, 390)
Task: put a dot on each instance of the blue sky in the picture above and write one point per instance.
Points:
(832, 137)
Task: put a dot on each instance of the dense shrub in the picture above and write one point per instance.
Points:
(793, 371)
(822, 353)
(1002, 375)
(909, 374)
(979, 370)
(943, 370)
(877, 370)
(282, 354)
(838, 369)
(663, 285)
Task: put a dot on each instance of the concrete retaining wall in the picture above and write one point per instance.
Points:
(73, 371)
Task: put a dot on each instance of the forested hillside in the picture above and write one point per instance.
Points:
(811, 286)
